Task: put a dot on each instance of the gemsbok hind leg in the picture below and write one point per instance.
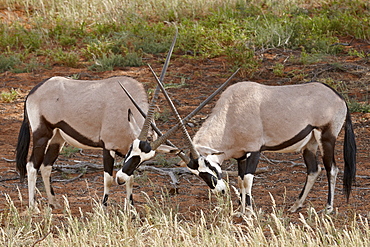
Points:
(328, 145)
(40, 141)
(313, 171)
(246, 169)
(52, 152)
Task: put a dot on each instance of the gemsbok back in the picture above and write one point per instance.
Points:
(250, 118)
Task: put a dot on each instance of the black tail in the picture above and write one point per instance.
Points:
(349, 151)
(23, 145)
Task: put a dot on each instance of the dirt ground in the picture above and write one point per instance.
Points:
(283, 179)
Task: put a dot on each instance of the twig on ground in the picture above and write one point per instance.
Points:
(90, 155)
(9, 179)
(68, 180)
(41, 239)
(7, 160)
(344, 44)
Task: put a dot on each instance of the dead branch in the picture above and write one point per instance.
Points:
(162, 171)
(273, 162)
(79, 165)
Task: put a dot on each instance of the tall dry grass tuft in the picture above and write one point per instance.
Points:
(157, 224)
(106, 11)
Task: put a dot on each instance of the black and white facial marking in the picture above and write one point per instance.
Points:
(139, 152)
(209, 170)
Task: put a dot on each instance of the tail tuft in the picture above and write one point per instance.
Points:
(23, 145)
(349, 151)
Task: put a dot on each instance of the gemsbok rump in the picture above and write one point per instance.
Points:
(250, 118)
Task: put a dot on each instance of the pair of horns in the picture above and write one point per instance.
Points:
(181, 122)
(149, 117)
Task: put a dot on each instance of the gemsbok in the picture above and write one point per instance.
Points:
(250, 118)
(86, 114)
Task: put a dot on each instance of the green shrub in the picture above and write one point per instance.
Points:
(67, 58)
(113, 60)
(240, 56)
(355, 106)
(9, 96)
(8, 62)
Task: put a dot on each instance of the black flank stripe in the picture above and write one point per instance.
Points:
(302, 134)
(69, 130)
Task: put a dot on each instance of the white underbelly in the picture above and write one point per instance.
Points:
(71, 141)
(296, 147)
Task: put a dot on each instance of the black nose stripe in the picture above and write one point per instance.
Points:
(209, 179)
(130, 165)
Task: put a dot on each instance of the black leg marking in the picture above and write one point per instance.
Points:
(105, 199)
(248, 165)
(328, 145)
(132, 200)
(51, 189)
(248, 200)
(51, 154)
(38, 152)
(310, 160)
(108, 162)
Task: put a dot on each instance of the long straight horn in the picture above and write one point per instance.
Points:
(149, 117)
(193, 151)
(169, 133)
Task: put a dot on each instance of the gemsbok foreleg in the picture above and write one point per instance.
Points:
(52, 152)
(246, 169)
(108, 161)
(313, 171)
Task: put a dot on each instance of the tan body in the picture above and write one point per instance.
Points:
(97, 110)
(85, 114)
(250, 118)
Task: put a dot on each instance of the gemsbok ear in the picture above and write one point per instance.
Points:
(133, 124)
(205, 151)
(165, 149)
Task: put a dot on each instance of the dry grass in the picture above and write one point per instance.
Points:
(156, 224)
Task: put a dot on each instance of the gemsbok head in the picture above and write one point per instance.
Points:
(142, 150)
(86, 114)
(250, 118)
